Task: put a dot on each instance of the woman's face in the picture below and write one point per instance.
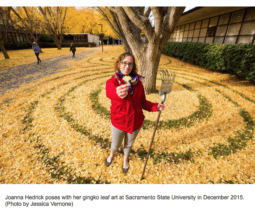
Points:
(126, 65)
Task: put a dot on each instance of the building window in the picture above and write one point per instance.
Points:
(192, 26)
(190, 33)
(231, 28)
(213, 21)
(230, 40)
(185, 34)
(211, 31)
(194, 39)
(248, 28)
(209, 40)
(221, 31)
(201, 39)
(224, 19)
(181, 34)
(203, 32)
(250, 14)
(205, 23)
(18, 39)
(9, 35)
(177, 34)
(218, 40)
(198, 24)
(245, 39)
(237, 17)
(196, 33)
(234, 29)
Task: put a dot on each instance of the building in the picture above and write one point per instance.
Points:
(81, 37)
(223, 25)
(13, 34)
(108, 40)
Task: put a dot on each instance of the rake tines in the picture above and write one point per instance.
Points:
(167, 79)
(167, 76)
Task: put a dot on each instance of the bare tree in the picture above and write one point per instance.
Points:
(54, 20)
(130, 22)
(4, 27)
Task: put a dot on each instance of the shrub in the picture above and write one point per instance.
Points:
(45, 38)
(238, 59)
(16, 45)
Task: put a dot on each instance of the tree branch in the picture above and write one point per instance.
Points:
(148, 12)
(130, 30)
(18, 16)
(171, 19)
(113, 23)
(158, 21)
(140, 21)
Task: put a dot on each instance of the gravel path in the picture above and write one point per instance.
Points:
(14, 77)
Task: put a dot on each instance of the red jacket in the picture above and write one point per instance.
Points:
(127, 114)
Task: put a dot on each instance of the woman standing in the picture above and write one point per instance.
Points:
(127, 101)
(36, 49)
(72, 48)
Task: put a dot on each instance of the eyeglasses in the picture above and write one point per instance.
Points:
(125, 64)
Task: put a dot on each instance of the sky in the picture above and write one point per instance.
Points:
(188, 8)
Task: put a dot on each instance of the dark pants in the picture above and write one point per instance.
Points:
(73, 53)
(37, 55)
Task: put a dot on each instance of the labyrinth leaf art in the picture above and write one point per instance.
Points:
(57, 129)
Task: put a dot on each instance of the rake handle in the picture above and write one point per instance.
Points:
(151, 142)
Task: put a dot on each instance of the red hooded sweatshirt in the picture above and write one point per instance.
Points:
(127, 114)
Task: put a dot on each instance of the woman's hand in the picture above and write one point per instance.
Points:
(122, 91)
(160, 107)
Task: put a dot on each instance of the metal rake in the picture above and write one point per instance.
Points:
(167, 79)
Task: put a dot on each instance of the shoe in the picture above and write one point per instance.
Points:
(108, 163)
(125, 170)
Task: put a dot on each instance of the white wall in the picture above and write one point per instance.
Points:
(93, 38)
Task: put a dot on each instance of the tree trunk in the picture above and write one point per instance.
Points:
(148, 68)
(6, 56)
(130, 22)
(58, 43)
(126, 47)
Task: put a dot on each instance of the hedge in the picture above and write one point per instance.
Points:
(45, 38)
(17, 45)
(238, 58)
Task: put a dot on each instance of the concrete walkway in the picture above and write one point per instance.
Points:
(14, 77)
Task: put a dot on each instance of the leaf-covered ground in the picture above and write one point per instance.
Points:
(58, 131)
